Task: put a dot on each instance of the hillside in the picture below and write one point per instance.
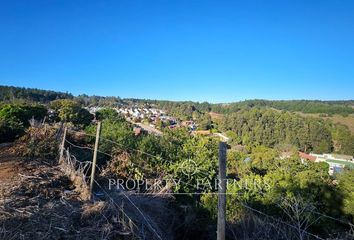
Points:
(344, 120)
(9, 93)
(341, 107)
(39, 200)
(166, 186)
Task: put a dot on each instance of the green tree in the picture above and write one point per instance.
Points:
(71, 111)
(284, 179)
(197, 161)
(346, 185)
(22, 112)
(343, 139)
(108, 113)
(119, 134)
(14, 119)
(204, 122)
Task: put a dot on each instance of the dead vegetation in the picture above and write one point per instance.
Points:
(39, 201)
(344, 120)
(41, 142)
(43, 204)
(42, 199)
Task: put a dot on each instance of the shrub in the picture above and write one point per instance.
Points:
(10, 130)
(39, 143)
(14, 118)
(110, 114)
(71, 111)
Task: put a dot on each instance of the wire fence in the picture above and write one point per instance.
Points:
(81, 168)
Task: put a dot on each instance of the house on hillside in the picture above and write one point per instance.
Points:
(332, 156)
(304, 156)
(336, 162)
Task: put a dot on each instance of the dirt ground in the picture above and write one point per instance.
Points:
(37, 201)
(9, 168)
(8, 164)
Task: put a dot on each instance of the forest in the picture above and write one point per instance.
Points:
(253, 122)
(262, 180)
(181, 108)
(343, 108)
(271, 128)
(9, 94)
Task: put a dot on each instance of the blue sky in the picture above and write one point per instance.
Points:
(217, 51)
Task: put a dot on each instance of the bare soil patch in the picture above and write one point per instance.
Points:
(216, 116)
(347, 121)
(38, 201)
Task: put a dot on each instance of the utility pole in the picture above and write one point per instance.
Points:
(62, 145)
(94, 160)
(222, 192)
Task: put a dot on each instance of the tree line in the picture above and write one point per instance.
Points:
(10, 94)
(270, 128)
(184, 109)
(263, 180)
(305, 106)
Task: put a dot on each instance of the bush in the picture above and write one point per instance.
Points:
(71, 111)
(14, 118)
(39, 143)
(109, 114)
(22, 113)
(346, 186)
(10, 130)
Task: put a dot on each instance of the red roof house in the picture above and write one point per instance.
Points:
(306, 156)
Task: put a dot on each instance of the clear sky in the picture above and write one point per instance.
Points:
(217, 51)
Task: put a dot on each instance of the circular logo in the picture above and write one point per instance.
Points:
(189, 168)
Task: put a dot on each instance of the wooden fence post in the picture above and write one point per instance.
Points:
(94, 160)
(62, 145)
(222, 192)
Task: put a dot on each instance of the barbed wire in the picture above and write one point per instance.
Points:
(119, 207)
(168, 160)
(322, 214)
(139, 166)
(84, 147)
(137, 150)
(136, 165)
(278, 220)
(107, 154)
(134, 205)
(333, 218)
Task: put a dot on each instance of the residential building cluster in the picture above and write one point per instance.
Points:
(336, 162)
(93, 110)
(147, 114)
(151, 119)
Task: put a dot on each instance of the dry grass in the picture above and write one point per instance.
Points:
(347, 121)
(216, 116)
(41, 202)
